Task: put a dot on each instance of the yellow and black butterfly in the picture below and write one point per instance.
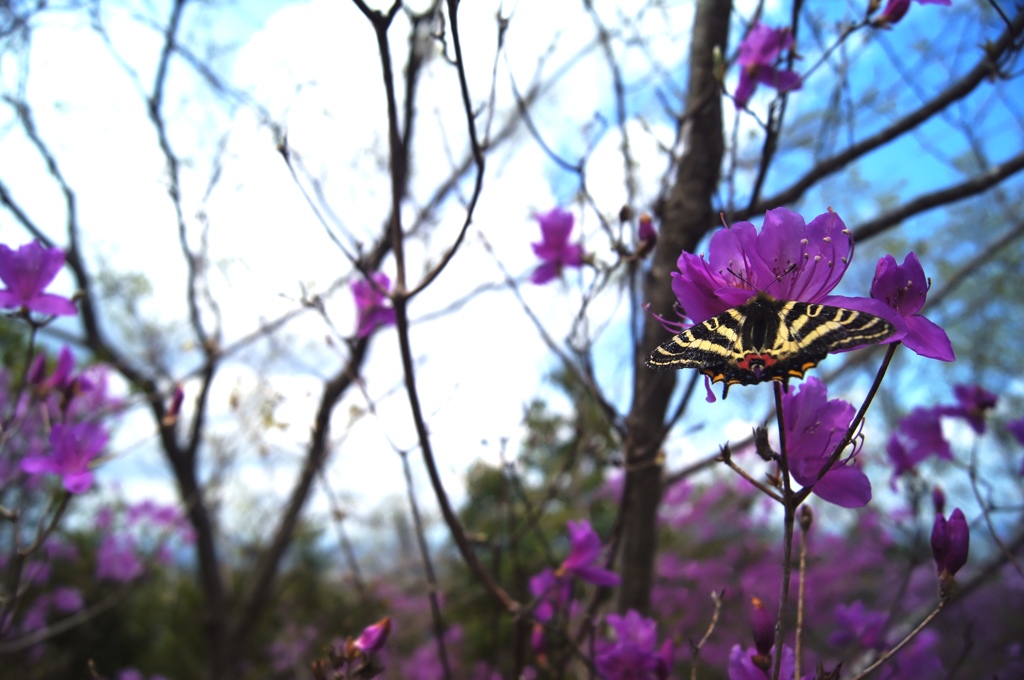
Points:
(768, 339)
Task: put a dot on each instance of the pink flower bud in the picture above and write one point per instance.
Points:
(373, 637)
(762, 626)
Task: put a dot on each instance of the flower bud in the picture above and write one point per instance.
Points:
(373, 637)
(938, 500)
(762, 626)
(174, 408)
(950, 543)
(647, 232)
(36, 370)
(959, 541)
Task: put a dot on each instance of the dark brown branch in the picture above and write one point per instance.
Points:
(971, 187)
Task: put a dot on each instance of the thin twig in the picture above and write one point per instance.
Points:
(903, 643)
(716, 597)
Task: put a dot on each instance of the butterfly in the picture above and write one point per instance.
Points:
(768, 339)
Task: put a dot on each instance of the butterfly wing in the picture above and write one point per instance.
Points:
(768, 339)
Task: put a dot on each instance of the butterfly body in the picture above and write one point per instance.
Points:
(768, 339)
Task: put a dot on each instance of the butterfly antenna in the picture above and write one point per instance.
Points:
(778, 277)
(742, 280)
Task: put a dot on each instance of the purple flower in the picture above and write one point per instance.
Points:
(67, 599)
(742, 664)
(554, 249)
(634, 654)
(116, 560)
(73, 449)
(585, 550)
(904, 288)
(814, 426)
(373, 637)
(974, 402)
(759, 53)
(897, 9)
(371, 305)
(789, 259)
(918, 436)
(554, 593)
(27, 271)
(859, 625)
(950, 543)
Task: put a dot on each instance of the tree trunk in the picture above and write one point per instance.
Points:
(685, 217)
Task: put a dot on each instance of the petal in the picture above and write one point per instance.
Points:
(572, 255)
(31, 268)
(927, 339)
(78, 482)
(844, 485)
(545, 272)
(695, 288)
(744, 89)
(777, 253)
(555, 226)
(10, 299)
(826, 251)
(36, 465)
(598, 576)
(47, 303)
(903, 287)
(763, 44)
(783, 80)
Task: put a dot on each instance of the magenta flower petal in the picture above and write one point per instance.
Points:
(78, 482)
(545, 272)
(783, 80)
(927, 339)
(845, 485)
(598, 576)
(745, 88)
(27, 271)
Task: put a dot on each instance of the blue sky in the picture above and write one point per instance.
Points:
(311, 66)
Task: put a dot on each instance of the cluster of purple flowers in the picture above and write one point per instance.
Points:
(58, 428)
(919, 435)
(632, 651)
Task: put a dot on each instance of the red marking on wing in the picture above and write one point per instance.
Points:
(761, 360)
